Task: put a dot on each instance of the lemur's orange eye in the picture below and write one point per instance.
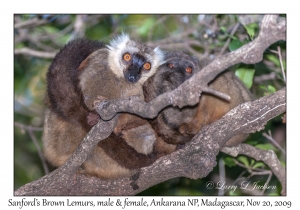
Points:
(189, 70)
(127, 57)
(147, 66)
(171, 66)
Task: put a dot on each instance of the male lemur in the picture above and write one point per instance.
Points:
(81, 74)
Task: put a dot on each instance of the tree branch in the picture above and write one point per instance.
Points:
(30, 23)
(27, 51)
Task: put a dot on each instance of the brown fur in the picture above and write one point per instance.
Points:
(63, 96)
(58, 144)
(72, 91)
(211, 108)
(66, 113)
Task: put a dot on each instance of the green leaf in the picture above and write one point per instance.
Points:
(235, 44)
(251, 29)
(271, 89)
(229, 161)
(51, 29)
(268, 90)
(233, 193)
(243, 160)
(19, 45)
(258, 164)
(223, 29)
(246, 75)
(273, 194)
(266, 146)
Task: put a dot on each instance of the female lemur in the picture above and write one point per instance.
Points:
(81, 74)
(178, 126)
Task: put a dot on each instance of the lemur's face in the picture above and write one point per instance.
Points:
(177, 68)
(133, 60)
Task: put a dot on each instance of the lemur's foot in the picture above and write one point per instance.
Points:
(93, 118)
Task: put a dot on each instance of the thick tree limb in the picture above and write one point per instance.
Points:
(195, 161)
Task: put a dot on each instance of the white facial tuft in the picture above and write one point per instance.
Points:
(116, 48)
(119, 42)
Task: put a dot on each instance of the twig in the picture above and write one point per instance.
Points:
(265, 77)
(229, 39)
(278, 52)
(266, 172)
(79, 27)
(270, 138)
(36, 41)
(35, 141)
(40, 54)
(281, 64)
(28, 127)
(30, 130)
(30, 23)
